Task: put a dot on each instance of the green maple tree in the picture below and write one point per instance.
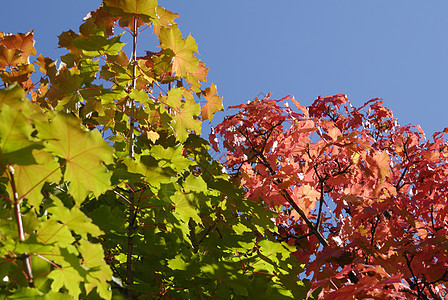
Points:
(107, 189)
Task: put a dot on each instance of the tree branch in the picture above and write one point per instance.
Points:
(132, 212)
(26, 259)
(285, 193)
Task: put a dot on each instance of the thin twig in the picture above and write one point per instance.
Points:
(25, 257)
(132, 212)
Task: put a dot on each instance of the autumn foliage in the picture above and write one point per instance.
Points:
(364, 195)
(108, 190)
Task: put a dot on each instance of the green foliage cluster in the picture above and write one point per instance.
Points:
(107, 189)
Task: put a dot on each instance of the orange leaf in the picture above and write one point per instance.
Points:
(214, 103)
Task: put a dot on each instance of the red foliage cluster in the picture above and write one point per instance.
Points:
(363, 198)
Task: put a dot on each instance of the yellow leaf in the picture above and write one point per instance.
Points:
(184, 61)
(152, 136)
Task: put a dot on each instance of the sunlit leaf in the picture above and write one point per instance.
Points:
(138, 7)
(84, 154)
(15, 131)
(214, 103)
(184, 207)
(29, 179)
(66, 277)
(195, 184)
(51, 232)
(10, 57)
(184, 61)
(98, 45)
(75, 220)
(20, 41)
(185, 121)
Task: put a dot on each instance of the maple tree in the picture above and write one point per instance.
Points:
(362, 198)
(107, 189)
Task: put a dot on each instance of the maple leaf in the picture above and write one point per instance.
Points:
(20, 41)
(15, 131)
(65, 92)
(166, 17)
(148, 167)
(197, 77)
(66, 277)
(214, 103)
(75, 220)
(173, 99)
(30, 179)
(83, 152)
(93, 255)
(11, 95)
(201, 72)
(173, 156)
(184, 61)
(184, 207)
(20, 74)
(195, 183)
(185, 121)
(379, 162)
(137, 7)
(10, 57)
(98, 45)
(152, 136)
(51, 232)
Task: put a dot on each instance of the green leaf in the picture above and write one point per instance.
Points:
(98, 45)
(140, 96)
(184, 207)
(30, 293)
(15, 130)
(75, 220)
(66, 277)
(12, 94)
(92, 254)
(65, 91)
(173, 98)
(148, 167)
(137, 7)
(195, 184)
(84, 154)
(93, 258)
(29, 179)
(172, 155)
(51, 232)
(177, 263)
(185, 121)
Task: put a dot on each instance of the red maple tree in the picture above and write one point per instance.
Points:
(363, 198)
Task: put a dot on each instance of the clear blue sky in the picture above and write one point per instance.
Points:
(391, 49)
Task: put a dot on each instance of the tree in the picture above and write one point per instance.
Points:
(363, 199)
(107, 188)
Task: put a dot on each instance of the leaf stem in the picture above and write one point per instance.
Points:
(25, 257)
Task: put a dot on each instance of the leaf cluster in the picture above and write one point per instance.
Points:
(107, 189)
(363, 195)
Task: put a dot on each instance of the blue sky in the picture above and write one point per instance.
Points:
(396, 50)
